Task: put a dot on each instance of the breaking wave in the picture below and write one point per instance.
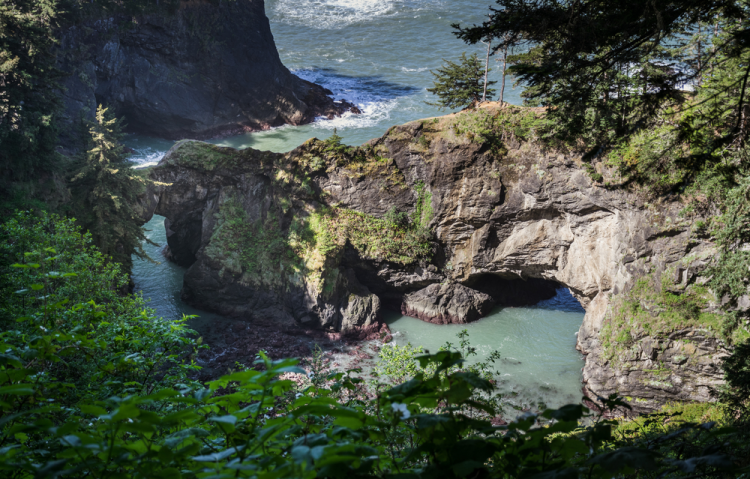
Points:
(330, 14)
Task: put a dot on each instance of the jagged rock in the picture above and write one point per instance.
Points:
(685, 366)
(448, 303)
(529, 216)
(360, 310)
(205, 70)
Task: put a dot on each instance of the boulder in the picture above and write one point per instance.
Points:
(447, 303)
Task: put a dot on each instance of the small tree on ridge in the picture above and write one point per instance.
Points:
(459, 85)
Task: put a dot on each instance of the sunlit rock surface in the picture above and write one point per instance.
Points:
(304, 238)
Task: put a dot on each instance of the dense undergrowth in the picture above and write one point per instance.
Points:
(93, 385)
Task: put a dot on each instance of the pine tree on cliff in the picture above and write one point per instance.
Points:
(105, 190)
(458, 85)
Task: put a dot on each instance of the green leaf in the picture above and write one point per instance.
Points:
(463, 469)
(93, 410)
(228, 419)
(569, 412)
(567, 473)
(301, 453)
(626, 457)
(18, 390)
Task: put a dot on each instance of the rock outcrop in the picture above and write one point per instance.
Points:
(205, 70)
(447, 303)
(325, 235)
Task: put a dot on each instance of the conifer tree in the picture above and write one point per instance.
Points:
(105, 189)
(612, 70)
(459, 85)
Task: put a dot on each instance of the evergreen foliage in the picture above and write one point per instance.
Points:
(458, 85)
(29, 100)
(608, 70)
(735, 395)
(105, 190)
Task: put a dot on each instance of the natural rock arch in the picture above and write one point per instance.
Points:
(529, 215)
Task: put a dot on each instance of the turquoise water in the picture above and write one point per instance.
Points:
(539, 362)
(378, 54)
(160, 282)
(375, 53)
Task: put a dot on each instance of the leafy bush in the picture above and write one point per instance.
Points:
(68, 330)
(247, 424)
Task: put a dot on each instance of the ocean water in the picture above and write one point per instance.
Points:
(540, 365)
(378, 54)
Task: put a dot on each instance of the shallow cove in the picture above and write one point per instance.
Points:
(539, 361)
(540, 364)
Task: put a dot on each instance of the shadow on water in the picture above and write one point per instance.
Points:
(562, 301)
(372, 85)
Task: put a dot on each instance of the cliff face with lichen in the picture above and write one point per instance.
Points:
(443, 218)
(205, 70)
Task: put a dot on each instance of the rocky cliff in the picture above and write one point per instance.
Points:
(443, 218)
(205, 70)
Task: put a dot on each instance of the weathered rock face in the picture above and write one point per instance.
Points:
(683, 366)
(202, 71)
(229, 222)
(447, 303)
(491, 222)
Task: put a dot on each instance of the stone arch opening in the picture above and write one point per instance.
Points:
(514, 291)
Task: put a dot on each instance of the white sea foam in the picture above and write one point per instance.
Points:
(330, 14)
(375, 103)
(372, 114)
(147, 156)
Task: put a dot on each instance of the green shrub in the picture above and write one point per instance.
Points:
(63, 316)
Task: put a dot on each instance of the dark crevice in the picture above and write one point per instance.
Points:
(514, 292)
